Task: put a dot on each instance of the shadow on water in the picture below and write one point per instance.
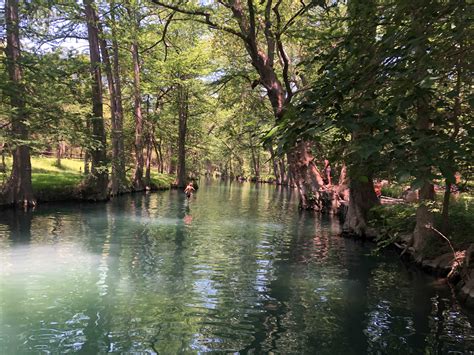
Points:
(18, 224)
(236, 268)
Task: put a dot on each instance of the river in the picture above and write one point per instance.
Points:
(236, 269)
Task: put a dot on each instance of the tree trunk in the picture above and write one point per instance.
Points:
(3, 167)
(138, 183)
(362, 198)
(283, 174)
(255, 167)
(290, 172)
(450, 179)
(445, 213)
(18, 189)
(424, 217)
(171, 162)
(159, 154)
(307, 177)
(182, 130)
(303, 170)
(95, 188)
(86, 163)
(149, 145)
(362, 195)
(118, 134)
(274, 165)
(58, 155)
(118, 183)
(149, 150)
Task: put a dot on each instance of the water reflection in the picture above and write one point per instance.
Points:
(236, 268)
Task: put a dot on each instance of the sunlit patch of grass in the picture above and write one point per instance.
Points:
(55, 186)
(44, 164)
(162, 180)
(51, 182)
(44, 181)
(73, 166)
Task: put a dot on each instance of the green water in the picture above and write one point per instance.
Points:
(239, 268)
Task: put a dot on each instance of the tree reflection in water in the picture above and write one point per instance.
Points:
(238, 269)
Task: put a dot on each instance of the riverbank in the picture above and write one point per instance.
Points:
(449, 257)
(391, 224)
(239, 269)
(53, 183)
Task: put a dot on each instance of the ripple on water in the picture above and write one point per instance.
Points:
(238, 268)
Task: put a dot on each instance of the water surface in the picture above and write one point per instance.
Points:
(237, 269)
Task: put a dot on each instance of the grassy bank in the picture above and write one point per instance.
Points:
(54, 183)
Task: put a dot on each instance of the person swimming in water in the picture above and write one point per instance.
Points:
(189, 190)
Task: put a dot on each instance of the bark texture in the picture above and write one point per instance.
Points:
(182, 130)
(424, 217)
(362, 198)
(95, 186)
(18, 189)
(138, 183)
(118, 181)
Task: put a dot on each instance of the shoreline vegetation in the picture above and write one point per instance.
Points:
(391, 224)
(53, 183)
(363, 107)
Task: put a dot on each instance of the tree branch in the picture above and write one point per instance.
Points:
(207, 18)
(269, 34)
(293, 18)
(284, 56)
(163, 37)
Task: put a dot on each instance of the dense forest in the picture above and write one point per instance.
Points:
(335, 99)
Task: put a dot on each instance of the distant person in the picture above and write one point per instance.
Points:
(189, 190)
(327, 173)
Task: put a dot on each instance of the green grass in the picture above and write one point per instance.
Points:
(55, 186)
(52, 183)
(393, 190)
(162, 181)
(267, 177)
(71, 166)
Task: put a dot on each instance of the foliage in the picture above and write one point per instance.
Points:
(461, 220)
(162, 181)
(393, 190)
(391, 222)
(380, 87)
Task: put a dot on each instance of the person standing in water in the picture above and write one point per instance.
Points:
(189, 190)
(327, 173)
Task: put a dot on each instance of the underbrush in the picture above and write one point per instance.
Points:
(392, 190)
(162, 181)
(391, 222)
(395, 221)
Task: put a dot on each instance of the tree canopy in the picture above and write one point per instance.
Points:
(266, 90)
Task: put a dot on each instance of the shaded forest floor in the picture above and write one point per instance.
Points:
(57, 183)
(394, 222)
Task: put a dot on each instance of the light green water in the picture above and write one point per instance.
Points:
(237, 269)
